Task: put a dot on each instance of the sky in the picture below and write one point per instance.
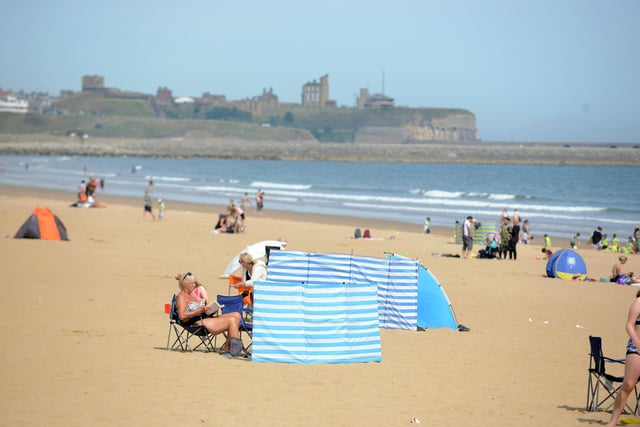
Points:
(530, 70)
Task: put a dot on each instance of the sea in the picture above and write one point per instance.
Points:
(557, 200)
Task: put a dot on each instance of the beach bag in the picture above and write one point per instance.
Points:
(235, 347)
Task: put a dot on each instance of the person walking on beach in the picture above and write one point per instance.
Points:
(148, 206)
(467, 236)
(259, 201)
(245, 202)
(631, 361)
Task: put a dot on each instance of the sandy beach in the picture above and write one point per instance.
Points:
(84, 329)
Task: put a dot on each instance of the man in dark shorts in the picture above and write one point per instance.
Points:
(148, 206)
(467, 237)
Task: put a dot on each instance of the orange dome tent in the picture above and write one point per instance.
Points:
(42, 224)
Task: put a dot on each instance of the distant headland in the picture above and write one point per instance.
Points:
(103, 121)
(101, 111)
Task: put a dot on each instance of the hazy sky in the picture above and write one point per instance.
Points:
(530, 70)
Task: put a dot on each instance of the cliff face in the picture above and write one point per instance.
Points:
(453, 127)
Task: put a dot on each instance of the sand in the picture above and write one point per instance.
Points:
(84, 329)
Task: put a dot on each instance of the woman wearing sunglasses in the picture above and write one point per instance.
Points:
(192, 310)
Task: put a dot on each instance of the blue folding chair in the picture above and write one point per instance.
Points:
(234, 303)
(184, 333)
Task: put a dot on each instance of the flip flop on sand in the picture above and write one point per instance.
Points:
(629, 421)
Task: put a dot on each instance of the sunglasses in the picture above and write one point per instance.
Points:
(187, 274)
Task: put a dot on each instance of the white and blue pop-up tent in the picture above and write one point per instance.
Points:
(434, 306)
(328, 308)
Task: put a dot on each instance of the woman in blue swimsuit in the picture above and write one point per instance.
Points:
(632, 361)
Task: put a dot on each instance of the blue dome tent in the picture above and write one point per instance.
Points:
(566, 264)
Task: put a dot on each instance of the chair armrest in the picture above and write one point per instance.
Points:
(610, 360)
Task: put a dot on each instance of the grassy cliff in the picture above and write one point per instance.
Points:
(132, 115)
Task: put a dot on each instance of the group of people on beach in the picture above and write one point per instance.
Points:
(509, 235)
(502, 242)
(86, 193)
(234, 220)
(600, 241)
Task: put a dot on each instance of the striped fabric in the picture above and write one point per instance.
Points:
(396, 279)
(319, 323)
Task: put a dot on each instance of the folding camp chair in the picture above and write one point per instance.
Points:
(184, 333)
(599, 378)
(234, 303)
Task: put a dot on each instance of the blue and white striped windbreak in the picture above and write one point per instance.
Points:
(328, 308)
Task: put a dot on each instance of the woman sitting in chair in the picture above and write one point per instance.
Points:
(192, 310)
(253, 270)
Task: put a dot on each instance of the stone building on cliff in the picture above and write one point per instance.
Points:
(377, 100)
(93, 83)
(316, 94)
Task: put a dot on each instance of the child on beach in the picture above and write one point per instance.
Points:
(574, 241)
(161, 209)
(547, 241)
(615, 243)
(526, 232)
(425, 226)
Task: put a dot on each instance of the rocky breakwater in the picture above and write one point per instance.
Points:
(472, 152)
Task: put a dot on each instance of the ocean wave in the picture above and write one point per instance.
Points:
(442, 194)
(169, 178)
(479, 212)
(429, 202)
(501, 196)
(275, 185)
